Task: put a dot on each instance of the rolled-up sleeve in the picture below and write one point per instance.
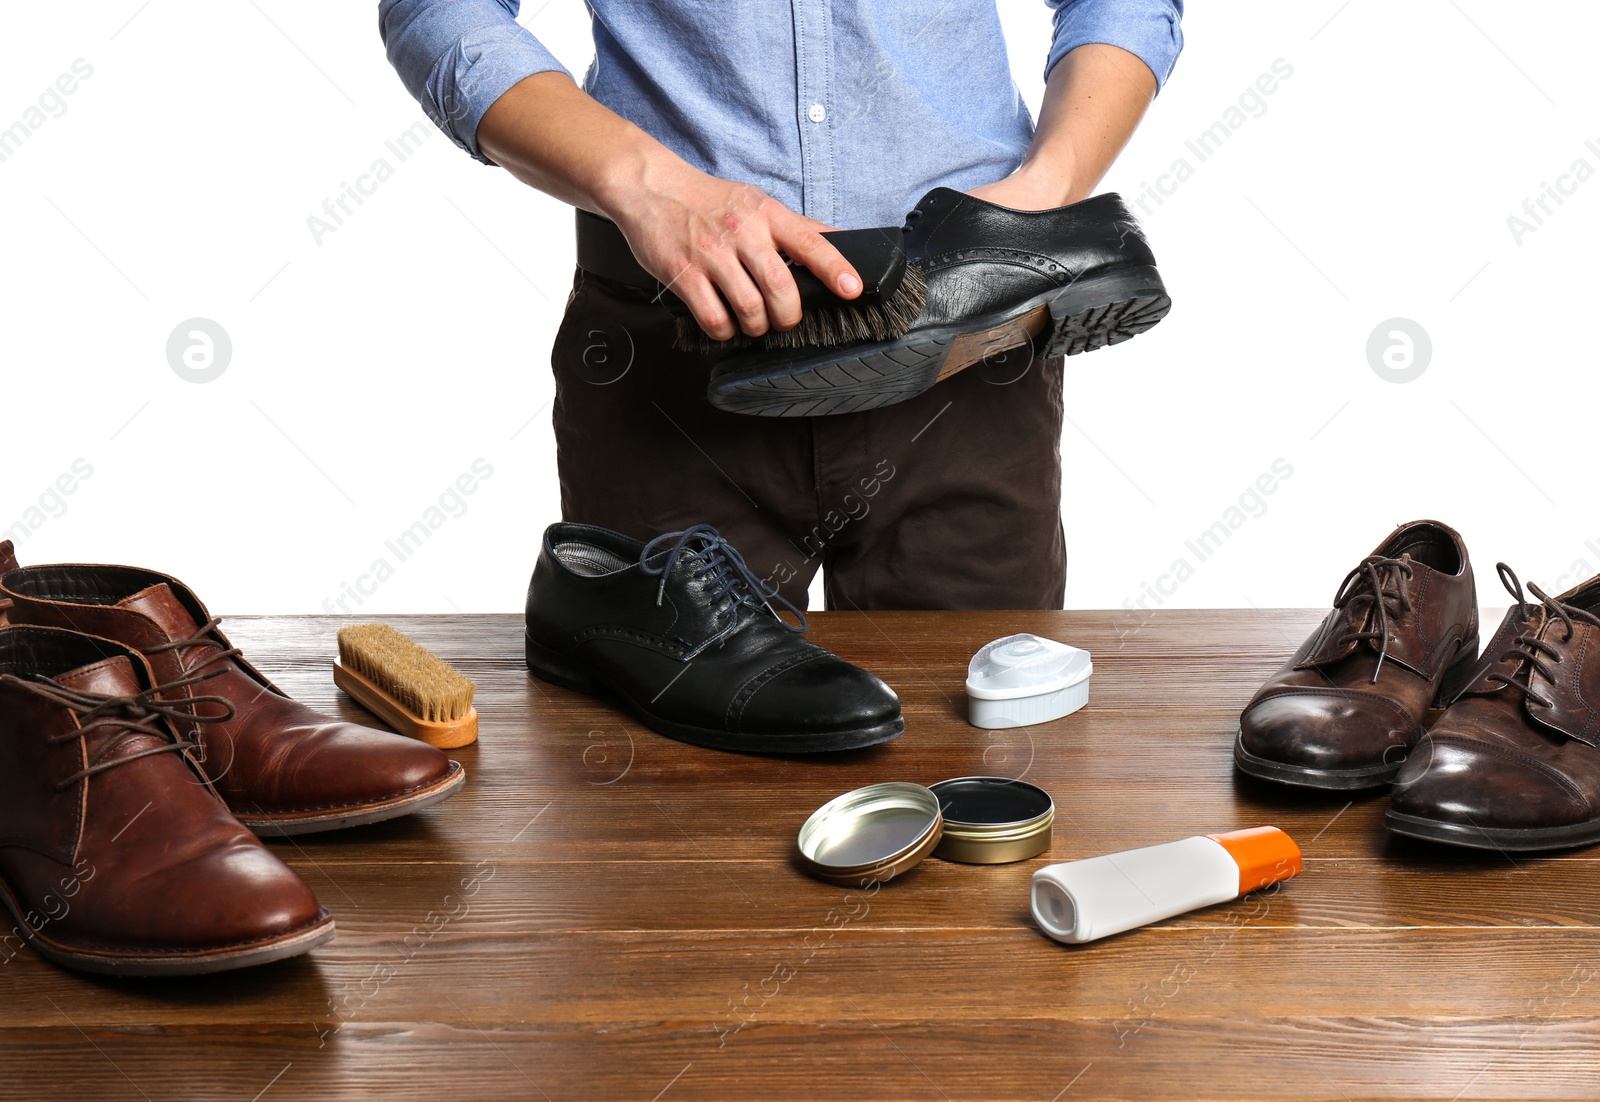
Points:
(1149, 29)
(458, 56)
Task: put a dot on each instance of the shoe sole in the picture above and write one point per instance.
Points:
(568, 673)
(1367, 776)
(1085, 315)
(1302, 776)
(196, 963)
(1508, 839)
(339, 818)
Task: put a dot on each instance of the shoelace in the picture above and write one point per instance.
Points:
(1528, 651)
(1365, 586)
(715, 557)
(134, 713)
(201, 638)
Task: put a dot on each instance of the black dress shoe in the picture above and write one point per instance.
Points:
(1067, 280)
(685, 637)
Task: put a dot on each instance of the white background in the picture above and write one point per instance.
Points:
(369, 371)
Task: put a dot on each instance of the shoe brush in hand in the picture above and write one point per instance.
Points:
(892, 295)
(404, 685)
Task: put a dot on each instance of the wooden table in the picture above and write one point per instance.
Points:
(606, 914)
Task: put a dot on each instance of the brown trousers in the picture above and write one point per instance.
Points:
(951, 500)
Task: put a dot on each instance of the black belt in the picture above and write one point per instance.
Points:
(603, 251)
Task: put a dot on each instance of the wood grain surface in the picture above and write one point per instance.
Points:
(603, 913)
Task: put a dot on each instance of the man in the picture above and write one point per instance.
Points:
(717, 135)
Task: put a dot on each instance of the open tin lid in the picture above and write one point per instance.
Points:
(880, 831)
(871, 834)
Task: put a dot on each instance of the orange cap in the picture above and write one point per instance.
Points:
(1265, 855)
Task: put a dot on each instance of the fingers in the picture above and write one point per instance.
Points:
(730, 271)
(725, 299)
(741, 264)
(725, 267)
(699, 294)
(802, 239)
(776, 284)
(743, 261)
(760, 287)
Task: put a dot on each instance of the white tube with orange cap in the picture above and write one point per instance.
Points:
(1078, 901)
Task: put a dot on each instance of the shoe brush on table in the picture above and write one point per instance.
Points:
(406, 686)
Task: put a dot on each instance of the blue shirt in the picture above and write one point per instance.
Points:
(845, 110)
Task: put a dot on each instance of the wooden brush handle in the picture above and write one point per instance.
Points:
(446, 736)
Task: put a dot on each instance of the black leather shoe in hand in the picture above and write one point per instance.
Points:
(1067, 280)
(685, 637)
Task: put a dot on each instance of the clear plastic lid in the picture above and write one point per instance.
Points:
(1025, 665)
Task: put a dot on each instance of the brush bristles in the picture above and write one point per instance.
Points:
(424, 685)
(824, 327)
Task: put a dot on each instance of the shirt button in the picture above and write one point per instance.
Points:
(817, 113)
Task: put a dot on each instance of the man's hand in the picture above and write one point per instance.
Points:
(701, 235)
(1025, 189)
(694, 232)
(1094, 99)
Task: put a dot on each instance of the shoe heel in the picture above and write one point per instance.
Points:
(1457, 676)
(547, 665)
(1106, 309)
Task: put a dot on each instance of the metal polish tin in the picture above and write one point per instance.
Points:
(871, 834)
(875, 833)
(993, 820)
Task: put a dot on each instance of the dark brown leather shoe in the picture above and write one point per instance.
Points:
(1514, 762)
(8, 562)
(116, 855)
(281, 767)
(1402, 636)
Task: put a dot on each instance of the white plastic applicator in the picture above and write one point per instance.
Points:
(1078, 901)
(1023, 679)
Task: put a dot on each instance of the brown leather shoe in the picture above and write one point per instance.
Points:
(1403, 635)
(8, 562)
(1514, 762)
(116, 855)
(281, 767)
